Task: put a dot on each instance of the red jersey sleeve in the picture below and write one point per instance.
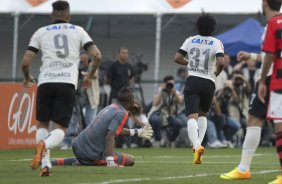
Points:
(269, 40)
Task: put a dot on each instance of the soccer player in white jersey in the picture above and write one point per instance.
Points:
(60, 44)
(257, 109)
(205, 58)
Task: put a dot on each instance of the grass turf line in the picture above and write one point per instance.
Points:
(152, 166)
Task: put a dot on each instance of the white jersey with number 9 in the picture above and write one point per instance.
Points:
(60, 45)
(201, 53)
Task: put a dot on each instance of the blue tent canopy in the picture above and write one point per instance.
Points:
(245, 36)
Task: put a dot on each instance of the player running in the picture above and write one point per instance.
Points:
(257, 109)
(272, 46)
(60, 44)
(205, 61)
(95, 144)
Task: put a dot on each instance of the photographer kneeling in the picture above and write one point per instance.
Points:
(242, 87)
(164, 111)
(227, 126)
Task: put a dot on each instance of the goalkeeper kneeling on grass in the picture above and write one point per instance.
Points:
(95, 144)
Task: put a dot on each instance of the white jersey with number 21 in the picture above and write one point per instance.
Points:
(201, 52)
(60, 45)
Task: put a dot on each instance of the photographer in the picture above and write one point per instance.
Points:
(164, 111)
(226, 127)
(239, 110)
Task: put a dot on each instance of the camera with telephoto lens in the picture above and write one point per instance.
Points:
(226, 95)
(238, 81)
(168, 87)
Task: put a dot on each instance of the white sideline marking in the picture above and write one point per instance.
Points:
(171, 177)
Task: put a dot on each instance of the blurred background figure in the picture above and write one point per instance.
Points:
(86, 102)
(251, 73)
(230, 126)
(180, 79)
(164, 112)
(239, 108)
(119, 74)
(225, 73)
(138, 67)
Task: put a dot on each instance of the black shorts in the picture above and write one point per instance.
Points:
(198, 94)
(256, 107)
(55, 102)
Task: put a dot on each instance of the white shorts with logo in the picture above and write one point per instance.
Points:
(274, 111)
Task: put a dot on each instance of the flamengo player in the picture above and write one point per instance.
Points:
(205, 62)
(273, 48)
(60, 44)
(257, 109)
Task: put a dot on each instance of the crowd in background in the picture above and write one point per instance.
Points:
(166, 112)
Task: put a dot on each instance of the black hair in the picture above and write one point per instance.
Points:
(61, 5)
(125, 95)
(274, 4)
(205, 24)
(168, 77)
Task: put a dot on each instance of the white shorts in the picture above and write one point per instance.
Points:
(274, 111)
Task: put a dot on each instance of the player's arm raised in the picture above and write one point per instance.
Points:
(244, 56)
(26, 63)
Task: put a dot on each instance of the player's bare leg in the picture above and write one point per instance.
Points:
(250, 144)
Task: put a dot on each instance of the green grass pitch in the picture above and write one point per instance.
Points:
(152, 166)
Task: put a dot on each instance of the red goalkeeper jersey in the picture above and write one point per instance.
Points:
(273, 44)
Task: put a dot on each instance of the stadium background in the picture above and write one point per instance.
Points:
(111, 31)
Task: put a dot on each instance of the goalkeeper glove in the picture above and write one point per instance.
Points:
(145, 132)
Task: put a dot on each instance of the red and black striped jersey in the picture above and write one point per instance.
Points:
(273, 44)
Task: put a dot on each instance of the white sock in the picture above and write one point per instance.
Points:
(41, 134)
(202, 124)
(46, 160)
(192, 127)
(251, 142)
(54, 138)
